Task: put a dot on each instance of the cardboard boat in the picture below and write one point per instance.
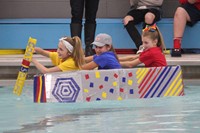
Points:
(115, 84)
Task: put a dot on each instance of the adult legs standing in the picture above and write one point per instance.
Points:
(91, 8)
(77, 9)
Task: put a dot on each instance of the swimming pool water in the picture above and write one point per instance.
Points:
(155, 115)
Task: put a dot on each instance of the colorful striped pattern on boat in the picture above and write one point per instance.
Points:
(39, 89)
(162, 81)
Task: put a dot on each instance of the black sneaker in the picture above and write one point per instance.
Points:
(176, 53)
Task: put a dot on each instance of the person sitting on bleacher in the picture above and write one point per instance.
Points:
(187, 13)
(147, 11)
(152, 56)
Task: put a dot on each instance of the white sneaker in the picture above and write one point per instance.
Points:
(141, 49)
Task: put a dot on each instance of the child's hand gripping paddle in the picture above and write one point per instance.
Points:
(25, 66)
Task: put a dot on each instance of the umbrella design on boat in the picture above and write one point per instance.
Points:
(66, 90)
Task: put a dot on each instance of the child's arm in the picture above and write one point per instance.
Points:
(42, 51)
(128, 58)
(130, 64)
(88, 59)
(89, 66)
(44, 69)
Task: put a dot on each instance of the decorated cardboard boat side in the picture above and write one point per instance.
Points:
(115, 84)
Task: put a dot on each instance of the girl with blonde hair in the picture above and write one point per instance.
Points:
(69, 56)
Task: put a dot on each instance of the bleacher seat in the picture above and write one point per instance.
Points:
(15, 32)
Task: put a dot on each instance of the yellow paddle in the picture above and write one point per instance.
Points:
(25, 66)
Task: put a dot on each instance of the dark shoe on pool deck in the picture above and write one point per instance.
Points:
(176, 53)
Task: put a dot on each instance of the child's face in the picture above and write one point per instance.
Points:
(62, 51)
(147, 42)
(100, 50)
